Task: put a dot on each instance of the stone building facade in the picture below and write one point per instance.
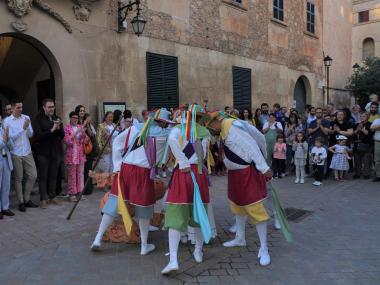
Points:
(366, 30)
(88, 61)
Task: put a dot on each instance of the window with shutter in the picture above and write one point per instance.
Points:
(241, 87)
(162, 81)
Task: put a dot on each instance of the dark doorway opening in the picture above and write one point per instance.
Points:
(25, 74)
(300, 95)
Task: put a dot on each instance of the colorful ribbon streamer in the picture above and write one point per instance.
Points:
(200, 213)
(122, 209)
(280, 214)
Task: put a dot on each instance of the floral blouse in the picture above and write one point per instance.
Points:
(74, 153)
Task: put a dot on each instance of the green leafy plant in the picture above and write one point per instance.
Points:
(366, 80)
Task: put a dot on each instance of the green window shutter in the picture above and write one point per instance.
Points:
(162, 81)
(241, 87)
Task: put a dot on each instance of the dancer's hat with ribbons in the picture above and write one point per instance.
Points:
(163, 115)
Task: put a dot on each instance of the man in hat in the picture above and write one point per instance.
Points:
(133, 158)
(188, 143)
(244, 157)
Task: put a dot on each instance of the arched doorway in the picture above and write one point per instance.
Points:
(28, 71)
(300, 95)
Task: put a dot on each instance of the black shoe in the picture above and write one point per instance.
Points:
(30, 204)
(8, 213)
(377, 179)
(356, 176)
(366, 177)
(22, 207)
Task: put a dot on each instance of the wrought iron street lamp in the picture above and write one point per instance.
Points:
(356, 68)
(138, 22)
(328, 61)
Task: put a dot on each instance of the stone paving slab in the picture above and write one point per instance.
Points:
(336, 244)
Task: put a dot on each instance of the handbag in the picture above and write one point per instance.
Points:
(87, 147)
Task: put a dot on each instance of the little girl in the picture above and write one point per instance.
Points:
(279, 157)
(339, 162)
(300, 148)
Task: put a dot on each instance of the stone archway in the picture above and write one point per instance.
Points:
(29, 71)
(301, 93)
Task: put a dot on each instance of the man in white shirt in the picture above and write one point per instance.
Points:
(376, 137)
(20, 131)
(134, 168)
(247, 175)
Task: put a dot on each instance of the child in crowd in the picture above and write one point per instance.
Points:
(339, 162)
(279, 157)
(318, 158)
(300, 148)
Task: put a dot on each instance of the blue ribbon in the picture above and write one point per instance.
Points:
(183, 123)
(200, 213)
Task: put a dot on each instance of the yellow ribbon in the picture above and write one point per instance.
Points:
(226, 125)
(210, 159)
(122, 209)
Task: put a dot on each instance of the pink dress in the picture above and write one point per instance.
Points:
(279, 151)
(75, 158)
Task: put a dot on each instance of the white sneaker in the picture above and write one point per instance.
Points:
(235, 242)
(233, 229)
(145, 249)
(158, 176)
(163, 174)
(96, 246)
(172, 266)
(277, 224)
(317, 183)
(297, 181)
(264, 256)
(198, 256)
(302, 181)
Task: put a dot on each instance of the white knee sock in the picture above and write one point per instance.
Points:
(144, 231)
(262, 232)
(104, 224)
(198, 239)
(174, 238)
(240, 227)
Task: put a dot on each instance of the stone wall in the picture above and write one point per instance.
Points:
(337, 35)
(247, 31)
(361, 31)
(96, 63)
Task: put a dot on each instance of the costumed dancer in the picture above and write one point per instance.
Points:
(248, 172)
(133, 156)
(187, 142)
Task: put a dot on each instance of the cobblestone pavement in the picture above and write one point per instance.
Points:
(336, 244)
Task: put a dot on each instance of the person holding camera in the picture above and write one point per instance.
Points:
(48, 132)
